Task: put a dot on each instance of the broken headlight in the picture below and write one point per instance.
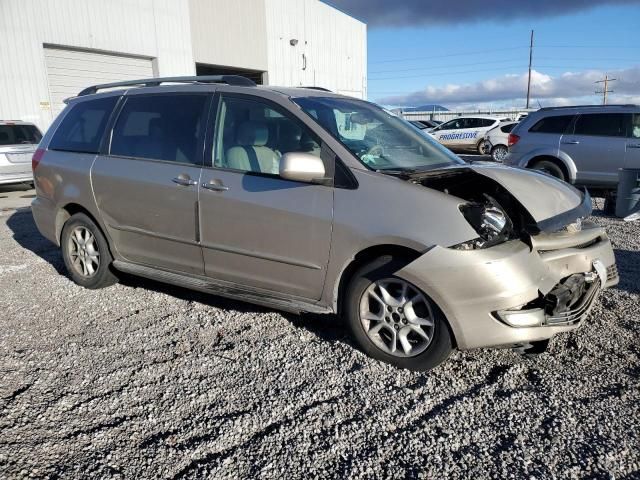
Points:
(490, 221)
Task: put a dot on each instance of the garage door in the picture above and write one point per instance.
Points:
(69, 71)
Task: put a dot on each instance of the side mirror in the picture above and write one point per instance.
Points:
(302, 167)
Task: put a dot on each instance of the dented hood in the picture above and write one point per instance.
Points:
(543, 196)
(550, 202)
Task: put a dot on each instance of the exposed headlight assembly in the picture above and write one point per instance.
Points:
(490, 221)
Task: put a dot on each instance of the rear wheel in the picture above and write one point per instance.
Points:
(86, 253)
(550, 168)
(394, 321)
(499, 153)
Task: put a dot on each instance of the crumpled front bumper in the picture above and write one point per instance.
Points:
(471, 287)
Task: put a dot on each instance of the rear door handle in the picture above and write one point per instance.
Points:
(215, 185)
(571, 142)
(184, 180)
(633, 145)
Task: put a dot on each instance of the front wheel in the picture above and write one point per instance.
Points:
(394, 321)
(86, 253)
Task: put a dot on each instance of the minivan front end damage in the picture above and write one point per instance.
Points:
(511, 294)
(524, 278)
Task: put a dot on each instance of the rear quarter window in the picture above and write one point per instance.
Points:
(555, 124)
(82, 128)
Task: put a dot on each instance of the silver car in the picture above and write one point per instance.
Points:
(18, 141)
(307, 201)
(585, 146)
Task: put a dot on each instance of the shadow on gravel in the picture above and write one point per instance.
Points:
(328, 328)
(628, 262)
(26, 233)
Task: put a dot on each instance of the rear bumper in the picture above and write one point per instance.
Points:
(475, 288)
(44, 215)
(15, 177)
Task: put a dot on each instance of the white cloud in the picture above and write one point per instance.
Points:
(510, 89)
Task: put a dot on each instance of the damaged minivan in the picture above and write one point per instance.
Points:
(307, 201)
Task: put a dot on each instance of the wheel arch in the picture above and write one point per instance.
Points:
(66, 212)
(369, 254)
(563, 164)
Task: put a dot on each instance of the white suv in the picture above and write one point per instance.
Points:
(18, 141)
(465, 133)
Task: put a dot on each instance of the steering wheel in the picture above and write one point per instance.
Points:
(375, 151)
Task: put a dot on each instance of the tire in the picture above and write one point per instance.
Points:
(498, 153)
(80, 241)
(481, 148)
(429, 353)
(550, 168)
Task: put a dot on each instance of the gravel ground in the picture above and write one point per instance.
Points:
(143, 380)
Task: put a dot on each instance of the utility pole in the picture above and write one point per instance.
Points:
(605, 90)
(530, 61)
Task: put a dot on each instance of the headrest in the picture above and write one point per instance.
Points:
(155, 127)
(252, 134)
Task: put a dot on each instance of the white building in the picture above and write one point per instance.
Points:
(51, 49)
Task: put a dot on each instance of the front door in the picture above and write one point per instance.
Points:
(258, 229)
(597, 147)
(147, 186)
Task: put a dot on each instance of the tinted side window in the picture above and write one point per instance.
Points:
(82, 128)
(453, 124)
(161, 127)
(602, 124)
(555, 124)
(487, 122)
(507, 128)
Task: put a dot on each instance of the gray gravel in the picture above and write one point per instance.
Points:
(145, 380)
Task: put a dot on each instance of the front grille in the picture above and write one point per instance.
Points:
(576, 314)
(612, 272)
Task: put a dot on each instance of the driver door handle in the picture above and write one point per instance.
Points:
(215, 185)
(633, 145)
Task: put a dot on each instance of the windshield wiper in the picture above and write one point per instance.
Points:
(398, 172)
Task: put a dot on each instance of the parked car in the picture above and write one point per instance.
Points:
(18, 141)
(584, 145)
(424, 124)
(308, 201)
(498, 138)
(465, 133)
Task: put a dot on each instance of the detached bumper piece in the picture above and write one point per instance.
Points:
(567, 303)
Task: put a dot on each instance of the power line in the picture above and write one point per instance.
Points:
(458, 54)
(605, 90)
(427, 69)
(444, 73)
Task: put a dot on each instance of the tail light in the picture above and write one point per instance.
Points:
(513, 139)
(37, 156)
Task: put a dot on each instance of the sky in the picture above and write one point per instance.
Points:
(475, 54)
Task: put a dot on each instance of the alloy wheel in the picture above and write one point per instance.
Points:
(83, 251)
(397, 317)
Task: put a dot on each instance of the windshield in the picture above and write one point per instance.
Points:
(19, 134)
(381, 140)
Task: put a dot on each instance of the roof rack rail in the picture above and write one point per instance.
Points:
(235, 80)
(588, 106)
(322, 89)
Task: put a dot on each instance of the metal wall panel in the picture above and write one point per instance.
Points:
(157, 29)
(69, 71)
(330, 52)
(230, 34)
